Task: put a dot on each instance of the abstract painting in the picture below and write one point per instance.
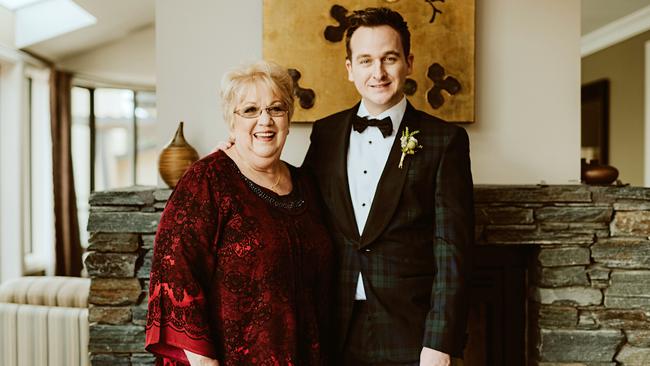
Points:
(308, 37)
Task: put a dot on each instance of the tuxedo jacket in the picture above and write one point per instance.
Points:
(413, 249)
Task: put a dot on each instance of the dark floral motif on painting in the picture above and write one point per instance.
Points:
(336, 33)
(449, 84)
(410, 86)
(436, 11)
(306, 97)
(340, 14)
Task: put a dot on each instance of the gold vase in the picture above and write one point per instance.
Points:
(175, 158)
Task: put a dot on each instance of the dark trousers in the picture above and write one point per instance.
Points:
(357, 349)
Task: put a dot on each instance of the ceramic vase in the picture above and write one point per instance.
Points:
(600, 174)
(175, 158)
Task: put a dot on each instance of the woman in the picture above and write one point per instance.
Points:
(240, 273)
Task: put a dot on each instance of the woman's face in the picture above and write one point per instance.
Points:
(260, 139)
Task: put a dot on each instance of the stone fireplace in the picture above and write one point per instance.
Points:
(562, 275)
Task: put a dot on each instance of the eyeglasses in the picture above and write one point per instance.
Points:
(255, 111)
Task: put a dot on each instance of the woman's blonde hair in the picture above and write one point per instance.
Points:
(235, 83)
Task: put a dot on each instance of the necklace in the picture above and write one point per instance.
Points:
(252, 170)
(276, 183)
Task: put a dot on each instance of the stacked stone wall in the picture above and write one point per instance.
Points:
(589, 290)
(122, 226)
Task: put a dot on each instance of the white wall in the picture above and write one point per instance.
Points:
(7, 34)
(528, 92)
(646, 115)
(196, 41)
(623, 64)
(131, 60)
(528, 77)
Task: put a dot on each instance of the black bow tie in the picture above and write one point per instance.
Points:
(361, 123)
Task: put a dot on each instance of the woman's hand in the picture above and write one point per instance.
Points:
(198, 360)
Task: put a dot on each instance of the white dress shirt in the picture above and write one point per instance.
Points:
(367, 157)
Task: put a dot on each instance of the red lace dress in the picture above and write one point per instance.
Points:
(239, 273)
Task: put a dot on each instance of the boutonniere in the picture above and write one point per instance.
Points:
(409, 144)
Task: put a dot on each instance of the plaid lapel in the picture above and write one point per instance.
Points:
(341, 201)
(390, 184)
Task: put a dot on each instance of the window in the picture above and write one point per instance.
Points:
(80, 135)
(146, 159)
(39, 200)
(114, 165)
(26, 184)
(113, 142)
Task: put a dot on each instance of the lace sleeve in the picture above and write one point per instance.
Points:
(182, 267)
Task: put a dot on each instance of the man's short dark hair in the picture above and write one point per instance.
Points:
(375, 17)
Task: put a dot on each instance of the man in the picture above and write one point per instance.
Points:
(402, 223)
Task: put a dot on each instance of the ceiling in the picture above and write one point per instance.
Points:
(597, 13)
(118, 18)
(115, 19)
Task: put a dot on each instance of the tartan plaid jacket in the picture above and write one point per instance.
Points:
(413, 250)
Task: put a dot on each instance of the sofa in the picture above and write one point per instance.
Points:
(44, 321)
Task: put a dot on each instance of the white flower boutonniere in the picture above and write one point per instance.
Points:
(409, 144)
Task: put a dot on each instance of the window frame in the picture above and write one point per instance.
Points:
(38, 211)
(92, 121)
(16, 168)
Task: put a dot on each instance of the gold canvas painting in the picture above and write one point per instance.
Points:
(308, 38)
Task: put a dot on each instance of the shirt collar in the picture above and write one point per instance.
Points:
(396, 113)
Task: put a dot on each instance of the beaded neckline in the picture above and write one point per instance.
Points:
(291, 201)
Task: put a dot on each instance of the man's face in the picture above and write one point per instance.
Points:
(378, 66)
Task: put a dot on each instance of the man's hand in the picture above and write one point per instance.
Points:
(198, 360)
(223, 145)
(431, 357)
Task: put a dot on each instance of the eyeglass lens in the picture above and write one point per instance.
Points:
(255, 111)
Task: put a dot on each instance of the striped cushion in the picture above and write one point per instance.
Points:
(48, 291)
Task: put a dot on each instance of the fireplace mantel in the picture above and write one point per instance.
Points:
(589, 278)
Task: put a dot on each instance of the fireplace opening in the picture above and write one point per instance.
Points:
(497, 314)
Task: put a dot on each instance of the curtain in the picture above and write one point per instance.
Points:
(67, 245)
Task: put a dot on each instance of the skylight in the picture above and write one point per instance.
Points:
(38, 20)
(16, 4)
